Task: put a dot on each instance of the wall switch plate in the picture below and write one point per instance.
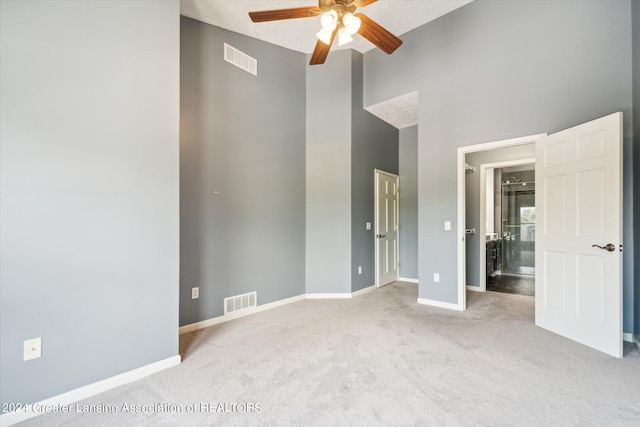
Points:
(32, 348)
(436, 277)
(195, 293)
(447, 225)
(368, 225)
(359, 269)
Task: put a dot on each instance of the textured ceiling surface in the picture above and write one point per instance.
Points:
(400, 112)
(397, 16)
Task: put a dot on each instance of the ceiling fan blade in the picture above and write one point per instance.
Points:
(321, 50)
(376, 34)
(278, 14)
(363, 3)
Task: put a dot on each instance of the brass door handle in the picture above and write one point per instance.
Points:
(608, 247)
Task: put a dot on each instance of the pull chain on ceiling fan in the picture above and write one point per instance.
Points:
(338, 18)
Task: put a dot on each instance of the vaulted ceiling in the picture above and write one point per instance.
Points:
(397, 16)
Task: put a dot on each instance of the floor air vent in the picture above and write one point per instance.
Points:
(240, 59)
(240, 302)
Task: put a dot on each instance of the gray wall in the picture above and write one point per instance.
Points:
(408, 154)
(472, 200)
(328, 184)
(635, 10)
(493, 70)
(89, 95)
(242, 136)
(374, 145)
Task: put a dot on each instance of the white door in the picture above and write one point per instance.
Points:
(386, 227)
(579, 205)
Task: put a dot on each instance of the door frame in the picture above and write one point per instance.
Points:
(461, 229)
(377, 172)
(482, 229)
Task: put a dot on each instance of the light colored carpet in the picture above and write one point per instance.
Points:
(382, 359)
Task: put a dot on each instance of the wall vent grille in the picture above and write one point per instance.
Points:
(240, 302)
(240, 59)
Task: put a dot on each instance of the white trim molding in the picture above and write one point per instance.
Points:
(249, 311)
(475, 288)
(344, 295)
(633, 339)
(363, 290)
(407, 279)
(440, 304)
(78, 394)
(237, 314)
(628, 337)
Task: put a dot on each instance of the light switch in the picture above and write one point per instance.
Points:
(368, 226)
(447, 225)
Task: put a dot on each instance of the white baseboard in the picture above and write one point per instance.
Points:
(70, 397)
(628, 337)
(407, 279)
(363, 291)
(237, 314)
(439, 304)
(474, 288)
(345, 295)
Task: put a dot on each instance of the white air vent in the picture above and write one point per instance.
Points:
(240, 59)
(240, 302)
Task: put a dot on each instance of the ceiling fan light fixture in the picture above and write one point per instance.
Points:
(351, 23)
(344, 37)
(329, 20)
(324, 36)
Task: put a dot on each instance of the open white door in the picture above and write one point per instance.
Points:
(386, 227)
(579, 205)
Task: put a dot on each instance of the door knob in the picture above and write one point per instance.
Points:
(380, 236)
(608, 247)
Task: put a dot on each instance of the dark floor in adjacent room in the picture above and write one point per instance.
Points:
(520, 285)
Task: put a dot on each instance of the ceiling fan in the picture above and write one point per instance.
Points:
(337, 18)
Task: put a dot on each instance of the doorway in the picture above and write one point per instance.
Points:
(386, 227)
(578, 291)
(510, 248)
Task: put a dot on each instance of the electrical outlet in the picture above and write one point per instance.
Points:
(195, 293)
(32, 348)
(368, 226)
(436, 277)
(359, 269)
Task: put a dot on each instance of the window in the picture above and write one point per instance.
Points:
(528, 224)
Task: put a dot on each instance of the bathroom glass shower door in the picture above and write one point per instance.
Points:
(518, 227)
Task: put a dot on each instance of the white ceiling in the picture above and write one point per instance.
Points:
(397, 16)
(400, 112)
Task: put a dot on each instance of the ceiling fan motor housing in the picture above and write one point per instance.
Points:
(340, 6)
